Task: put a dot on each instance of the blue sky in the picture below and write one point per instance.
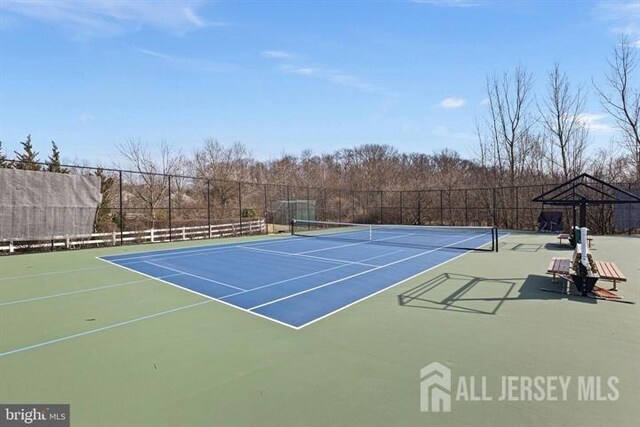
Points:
(282, 76)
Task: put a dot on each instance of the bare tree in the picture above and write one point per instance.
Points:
(561, 113)
(152, 171)
(223, 165)
(623, 101)
(509, 122)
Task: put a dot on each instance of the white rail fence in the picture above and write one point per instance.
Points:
(244, 228)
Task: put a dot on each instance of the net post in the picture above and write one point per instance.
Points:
(292, 226)
(371, 233)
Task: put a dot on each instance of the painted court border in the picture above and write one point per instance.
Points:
(338, 303)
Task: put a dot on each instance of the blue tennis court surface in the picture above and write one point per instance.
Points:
(294, 281)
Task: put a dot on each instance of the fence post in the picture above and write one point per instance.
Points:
(401, 216)
(264, 211)
(466, 208)
(324, 204)
(419, 207)
(353, 206)
(121, 211)
(240, 205)
(288, 206)
(308, 201)
(517, 211)
(441, 207)
(339, 205)
(209, 206)
(170, 226)
(381, 209)
(495, 207)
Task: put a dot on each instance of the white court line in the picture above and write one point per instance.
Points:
(306, 275)
(26, 276)
(391, 286)
(358, 274)
(198, 293)
(330, 248)
(104, 328)
(115, 285)
(273, 319)
(186, 251)
(195, 275)
(312, 257)
(351, 244)
(317, 319)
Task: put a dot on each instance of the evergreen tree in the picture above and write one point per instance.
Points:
(3, 158)
(27, 159)
(53, 163)
(105, 220)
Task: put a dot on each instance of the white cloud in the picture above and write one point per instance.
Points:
(86, 117)
(323, 73)
(596, 123)
(484, 102)
(452, 102)
(303, 71)
(334, 76)
(619, 10)
(194, 64)
(276, 54)
(624, 15)
(110, 17)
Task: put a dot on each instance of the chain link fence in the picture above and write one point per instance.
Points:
(136, 202)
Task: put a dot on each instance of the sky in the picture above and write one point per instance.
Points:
(284, 76)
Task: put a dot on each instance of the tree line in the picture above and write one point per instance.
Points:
(524, 138)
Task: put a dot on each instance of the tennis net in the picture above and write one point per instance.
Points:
(421, 236)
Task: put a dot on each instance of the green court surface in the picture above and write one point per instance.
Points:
(126, 350)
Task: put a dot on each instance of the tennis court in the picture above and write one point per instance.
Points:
(128, 350)
(323, 268)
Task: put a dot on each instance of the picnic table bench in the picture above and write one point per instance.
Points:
(565, 236)
(609, 271)
(605, 270)
(559, 266)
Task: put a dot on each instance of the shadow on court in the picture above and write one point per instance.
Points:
(558, 247)
(527, 247)
(480, 295)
